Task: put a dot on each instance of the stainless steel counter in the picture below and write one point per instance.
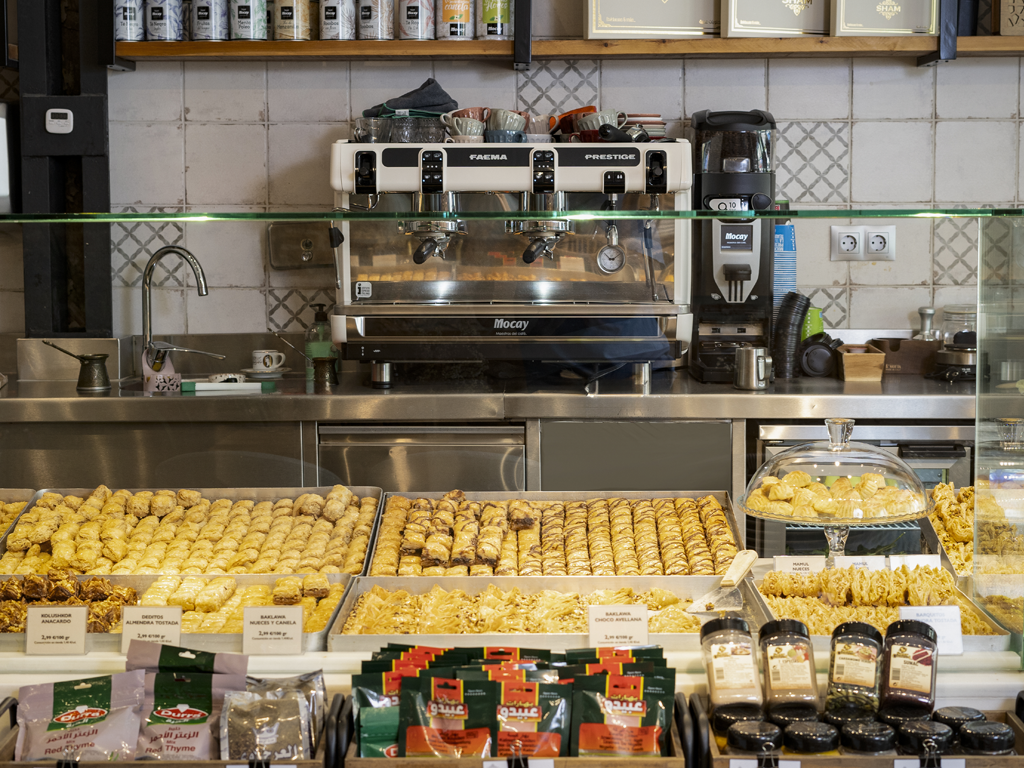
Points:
(673, 395)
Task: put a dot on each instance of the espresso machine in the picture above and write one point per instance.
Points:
(733, 259)
(488, 261)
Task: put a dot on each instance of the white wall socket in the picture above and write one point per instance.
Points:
(864, 242)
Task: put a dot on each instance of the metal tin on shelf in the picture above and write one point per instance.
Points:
(164, 20)
(376, 19)
(248, 19)
(338, 19)
(495, 19)
(292, 20)
(455, 20)
(209, 19)
(415, 19)
(128, 24)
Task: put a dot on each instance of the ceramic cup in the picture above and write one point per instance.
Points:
(539, 138)
(567, 120)
(504, 137)
(463, 126)
(475, 113)
(373, 130)
(568, 138)
(505, 120)
(597, 119)
(540, 124)
(267, 359)
(464, 140)
(591, 137)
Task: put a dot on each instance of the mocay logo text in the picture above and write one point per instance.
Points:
(502, 324)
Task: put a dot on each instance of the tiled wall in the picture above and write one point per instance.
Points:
(251, 136)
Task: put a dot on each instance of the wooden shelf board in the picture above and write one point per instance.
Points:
(750, 47)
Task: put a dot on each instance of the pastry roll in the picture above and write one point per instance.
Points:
(160, 591)
(161, 504)
(214, 594)
(185, 594)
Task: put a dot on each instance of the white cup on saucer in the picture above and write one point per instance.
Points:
(267, 359)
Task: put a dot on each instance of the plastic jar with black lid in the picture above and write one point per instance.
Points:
(841, 717)
(788, 660)
(924, 737)
(897, 717)
(753, 738)
(853, 669)
(728, 652)
(985, 737)
(785, 715)
(909, 657)
(724, 717)
(957, 717)
(867, 737)
(806, 738)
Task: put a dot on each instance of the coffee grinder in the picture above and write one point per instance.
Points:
(734, 170)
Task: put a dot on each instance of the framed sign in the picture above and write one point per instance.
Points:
(884, 17)
(624, 19)
(775, 18)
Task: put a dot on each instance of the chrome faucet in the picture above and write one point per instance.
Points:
(156, 351)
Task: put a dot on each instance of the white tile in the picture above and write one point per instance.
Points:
(962, 172)
(894, 308)
(12, 269)
(231, 252)
(168, 311)
(146, 164)
(151, 92)
(953, 294)
(374, 82)
(299, 156)
(559, 18)
(802, 89)
(226, 164)
(892, 89)
(225, 91)
(12, 312)
(813, 265)
(477, 83)
(981, 87)
(913, 264)
(892, 162)
(724, 84)
(228, 310)
(307, 91)
(644, 86)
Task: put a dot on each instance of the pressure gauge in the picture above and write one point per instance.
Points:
(611, 259)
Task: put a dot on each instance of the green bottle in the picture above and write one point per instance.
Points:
(318, 339)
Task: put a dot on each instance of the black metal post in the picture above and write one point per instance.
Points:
(523, 34)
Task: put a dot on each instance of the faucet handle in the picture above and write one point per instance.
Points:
(162, 348)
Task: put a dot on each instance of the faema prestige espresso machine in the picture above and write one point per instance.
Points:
(471, 253)
(733, 261)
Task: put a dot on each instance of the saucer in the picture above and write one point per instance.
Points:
(277, 373)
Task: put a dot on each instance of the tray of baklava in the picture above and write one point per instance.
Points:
(12, 503)
(213, 607)
(542, 533)
(193, 531)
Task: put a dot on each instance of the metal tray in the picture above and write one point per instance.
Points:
(722, 497)
(234, 494)
(9, 496)
(1000, 641)
(683, 586)
(930, 538)
(14, 642)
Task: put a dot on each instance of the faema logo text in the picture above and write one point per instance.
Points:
(488, 157)
(181, 713)
(451, 710)
(501, 324)
(80, 715)
(513, 712)
(624, 707)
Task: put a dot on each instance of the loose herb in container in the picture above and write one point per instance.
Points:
(924, 737)
(986, 738)
(788, 659)
(728, 653)
(867, 738)
(909, 657)
(854, 670)
(753, 738)
(810, 738)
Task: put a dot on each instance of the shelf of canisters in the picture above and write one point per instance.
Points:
(751, 47)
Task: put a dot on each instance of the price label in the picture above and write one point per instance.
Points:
(915, 762)
(754, 762)
(914, 561)
(945, 620)
(802, 565)
(531, 762)
(272, 630)
(871, 562)
(155, 625)
(617, 625)
(52, 630)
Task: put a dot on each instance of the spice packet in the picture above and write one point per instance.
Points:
(605, 668)
(311, 685)
(445, 717)
(375, 692)
(508, 653)
(95, 719)
(378, 732)
(616, 715)
(533, 719)
(156, 657)
(501, 675)
(181, 715)
(257, 727)
(620, 653)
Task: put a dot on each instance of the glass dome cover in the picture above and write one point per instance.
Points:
(836, 483)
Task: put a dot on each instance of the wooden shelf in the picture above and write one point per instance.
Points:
(750, 47)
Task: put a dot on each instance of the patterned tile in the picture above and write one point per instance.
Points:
(955, 257)
(814, 162)
(288, 309)
(9, 85)
(833, 302)
(552, 87)
(996, 250)
(133, 243)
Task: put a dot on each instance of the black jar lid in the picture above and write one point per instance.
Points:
(868, 736)
(728, 714)
(717, 625)
(840, 717)
(784, 626)
(986, 736)
(857, 628)
(784, 715)
(955, 717)
(913, 735)
(898, 715)
(811, 738)
(754, 736)
(913, 626)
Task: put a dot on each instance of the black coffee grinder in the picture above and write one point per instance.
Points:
(733, 261)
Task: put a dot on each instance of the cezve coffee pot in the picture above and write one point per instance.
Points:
(92, 377)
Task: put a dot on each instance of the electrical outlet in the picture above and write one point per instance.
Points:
(880, 243)
(847, 243)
